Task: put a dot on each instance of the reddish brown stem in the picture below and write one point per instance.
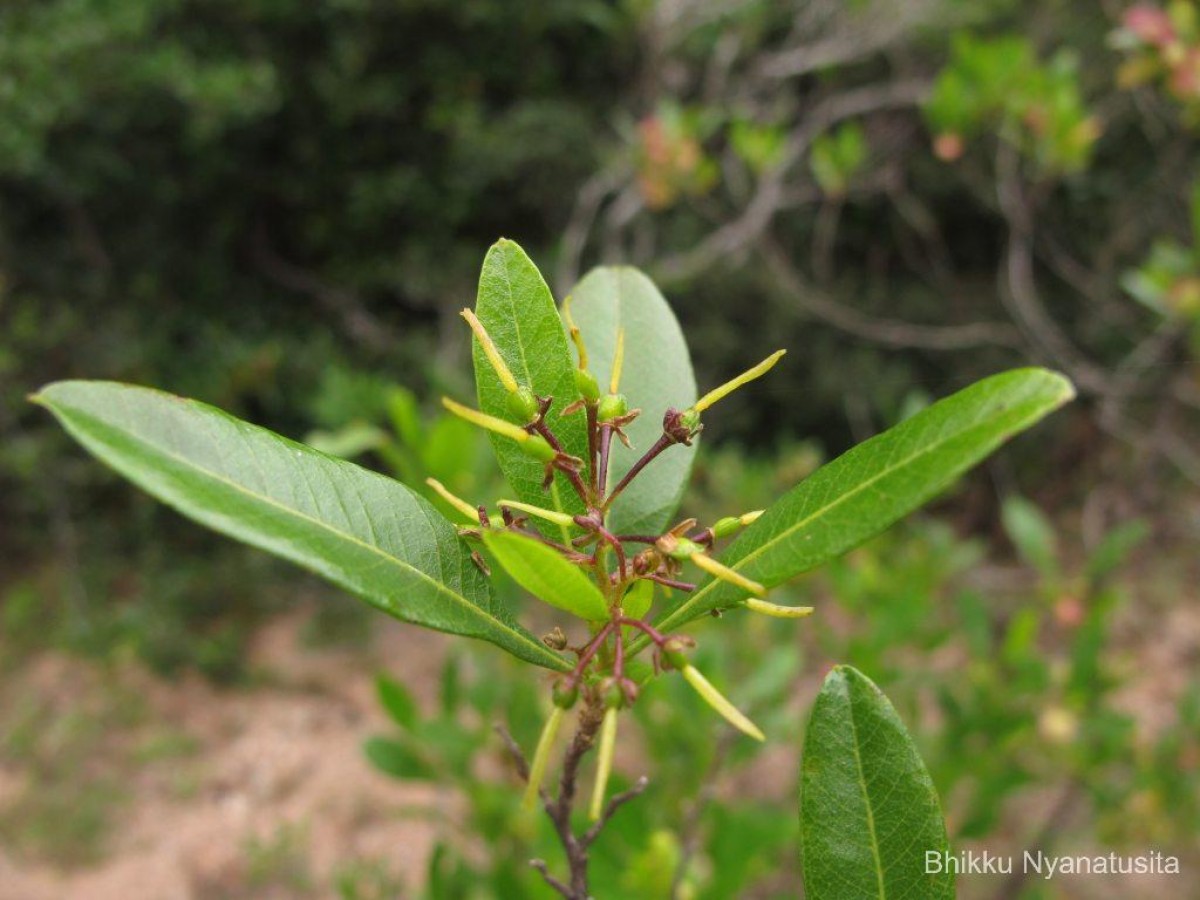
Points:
(658, 447)
(606, 434)
(593, 465)
(672, 583)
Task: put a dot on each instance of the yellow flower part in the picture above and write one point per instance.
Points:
(723, 572)
(457, 502)
(483, 420)
(549, 515)
(537, 771)
(717, 701)
(618, 362)
(604, 758)
(733, 384)
(777, 611)
(492, 353)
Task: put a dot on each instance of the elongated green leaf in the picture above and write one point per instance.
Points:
(399, 703)
(545, 574)
(868, 488)
(396, 759)
(516, 307)
(657, 374)
(364, 532)
(868, 810)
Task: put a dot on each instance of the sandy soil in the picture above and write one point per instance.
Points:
(285, 756)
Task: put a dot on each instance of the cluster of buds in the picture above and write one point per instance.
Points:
(600, 676)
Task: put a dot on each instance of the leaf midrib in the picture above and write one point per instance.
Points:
(345, 536)
(862, 784)
(555, 496)
(824, 510)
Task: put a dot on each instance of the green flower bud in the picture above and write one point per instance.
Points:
(522, 405)
(726, 526)
(611, 407)
(673, 650)
(586, 383)
(611, 692)
(564, 696)
(539, 448)
(690, 419)
(678, 547)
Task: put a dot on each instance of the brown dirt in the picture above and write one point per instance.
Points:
(274, 764)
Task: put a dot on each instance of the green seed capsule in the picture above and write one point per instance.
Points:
(611, 406)
(522, 405)
(539, 448)
(726, 526)
(586, 383)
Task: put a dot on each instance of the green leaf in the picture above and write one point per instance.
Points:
(547, 575)
(362, 531)
(638, 599)
(397, 701)
(396, 759)
(516, 307)
(873, 485)
(1032, 534)
(657, 374)
(868, 809)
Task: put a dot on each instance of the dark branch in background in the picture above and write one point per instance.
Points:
(1020, 294)
(785, 280)
(356, 321)
(741, 234)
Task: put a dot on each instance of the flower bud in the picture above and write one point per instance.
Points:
(539, 448)
(523, 405)
(611, 693)
(678, 547)
(587, 385)
(726, 526)
(565, 694)
(673, 650)
(612, 406)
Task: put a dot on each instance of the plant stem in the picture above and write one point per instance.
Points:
(658, 447)
(606, 434)
(572, 476)
(593, 465)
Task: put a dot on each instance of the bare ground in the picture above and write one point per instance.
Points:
(261, 792)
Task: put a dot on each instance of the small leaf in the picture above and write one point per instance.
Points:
(516, 307)
(395, 759)
(1114, 548)
(397, 701)
(638, 598)
(359, 529)
(1032, 534)
(873, 485)
(868, 810)
(545, 574)
(657, 374)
